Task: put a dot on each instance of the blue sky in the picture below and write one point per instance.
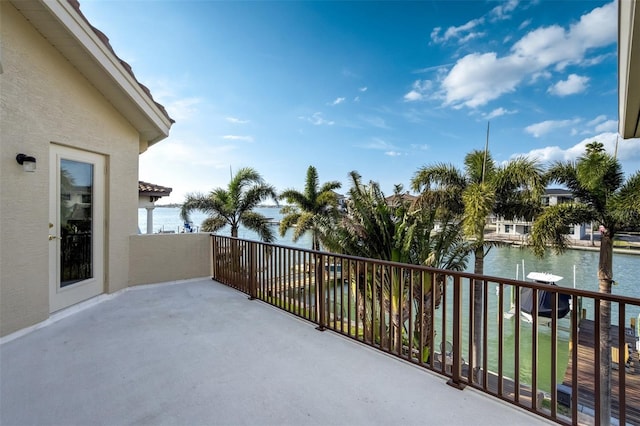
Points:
(378, 87)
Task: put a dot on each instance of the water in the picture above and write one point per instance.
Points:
(167, 219)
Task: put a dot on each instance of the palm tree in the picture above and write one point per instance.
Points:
(395, 229)
(234, 206)
(308, 207)
(597, 182)
(481, 189)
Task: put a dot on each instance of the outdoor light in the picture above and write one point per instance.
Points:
(28, 163)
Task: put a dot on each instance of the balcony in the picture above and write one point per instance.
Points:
(200, 352)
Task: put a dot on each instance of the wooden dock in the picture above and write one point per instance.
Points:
(586, 373)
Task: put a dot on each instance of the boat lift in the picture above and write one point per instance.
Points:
(564, 302)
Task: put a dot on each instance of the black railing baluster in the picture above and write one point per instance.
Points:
(457, 334)
(321, 305)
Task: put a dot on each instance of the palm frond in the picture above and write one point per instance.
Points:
(479, 166)
(550, 227)
(288, 221)
(438, 176)
(296, 198)
(197, 202)
(519, 186)
(478, 201)
(259, 224)
(625, 204)
(213, 223)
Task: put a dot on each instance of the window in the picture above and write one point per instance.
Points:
(507, 229)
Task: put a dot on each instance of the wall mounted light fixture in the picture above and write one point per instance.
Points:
(27, 162)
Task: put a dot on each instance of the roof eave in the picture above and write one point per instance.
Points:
(628, 69)
(69, 32)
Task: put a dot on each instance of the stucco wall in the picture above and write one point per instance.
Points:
(45, 100)
(156, 258)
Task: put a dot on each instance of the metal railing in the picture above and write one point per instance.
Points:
(423, 315)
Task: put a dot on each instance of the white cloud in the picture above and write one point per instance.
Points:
(423, 147)
(572, 85)
(470, 37)
(607, 126)
(378, 122)
(600, 124)
(238, 138)
(317, 120)
(596, 59)
(542, 75)
(599, 119)
(460, 33)
(379, 144)
(236, 120)
(393, 153)
(524, 24)
(628, 151)
(182, 109)
(467, 31)
(338, 101)
(479, 78)
(413, 95)
(544, 127)
(419, 90)
(499, 112)
(363, 89)
(502, 11)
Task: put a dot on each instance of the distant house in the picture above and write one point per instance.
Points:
(148, 194)
(73, 119)
(517, 229)
(341, 199)
(395, 198)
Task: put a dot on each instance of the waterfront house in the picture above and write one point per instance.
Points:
(74, 119)
(519, 229)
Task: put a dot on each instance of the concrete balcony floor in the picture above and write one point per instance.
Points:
(199, 353)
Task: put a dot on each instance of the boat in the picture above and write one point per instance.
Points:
(545, 298)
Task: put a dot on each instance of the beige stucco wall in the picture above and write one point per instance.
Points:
(45, 100)
(156, 258)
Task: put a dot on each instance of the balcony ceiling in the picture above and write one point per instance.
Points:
(629, 69)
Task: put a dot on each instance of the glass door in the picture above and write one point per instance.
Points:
(76, 226)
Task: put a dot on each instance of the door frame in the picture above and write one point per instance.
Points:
(62, 297)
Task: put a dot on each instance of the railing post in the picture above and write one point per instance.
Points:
(457, 335)
(252, 271)
(320, 302)
(214, 271)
